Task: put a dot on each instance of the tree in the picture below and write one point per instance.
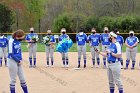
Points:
(6, 18)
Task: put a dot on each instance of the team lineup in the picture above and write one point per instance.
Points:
(111, 43)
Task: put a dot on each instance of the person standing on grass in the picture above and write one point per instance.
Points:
(113, 55)
(94, 41)
(32, 39)
(81, 39)
(14, 61)
(62, 37)
(3, 49)
(50, 48)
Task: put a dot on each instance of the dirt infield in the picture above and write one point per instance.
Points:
(60, 80)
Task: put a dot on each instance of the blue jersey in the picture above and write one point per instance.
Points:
(3, 41)
(52, 39)
(114, 48)
(94, 39)
(120, 39)
(81, 39)
(131, 40)
(30, 36)
(64, 36)
(14, 50)
(104, 39)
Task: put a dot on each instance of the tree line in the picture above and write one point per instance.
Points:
(73, 14)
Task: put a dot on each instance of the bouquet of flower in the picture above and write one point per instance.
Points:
(46, 40)
(35, 38)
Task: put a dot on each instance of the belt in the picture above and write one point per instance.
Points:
(110, 62)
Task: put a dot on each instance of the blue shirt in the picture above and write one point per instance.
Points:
(81, 39)
(104, 39)
(14, 50)
(114, 48)
(3, 41)
(94, 39)
(120, 39)
(131, 40)
(63, 36)
(30, 36)
(52, 39)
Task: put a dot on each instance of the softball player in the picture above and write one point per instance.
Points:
(120, 39)
(3, 49)
(14, 61)
(50, 48)
(113, 55)
(94, 40)
(105, 43)
(32, 47)
(64, 55)
(131, 49)
(81, 39)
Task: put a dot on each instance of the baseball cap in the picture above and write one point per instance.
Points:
(113, 34)
(31, 29)
(131, 32)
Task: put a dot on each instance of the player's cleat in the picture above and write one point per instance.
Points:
(104, 67)
(63, 66)
(84, 66)
(93, 66)
(67, 66)
(125, 68)
(139, 68)
(132, 68)
(97, 66)
(121, 67)
(78, 66)
(30, 66)
(47, 66)
(52, 66)
(34, 66)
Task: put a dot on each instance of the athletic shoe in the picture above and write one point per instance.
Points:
(47, 66)
(139, 68)
(34, 66)
(30, 66)
(97, 66)
(121, 67)
(104, 67)
(125, 68)
(93, 66)
(132, 68)
(52, 66)
(78, 66)
(84, 66)
(63, 66)
(67, 66)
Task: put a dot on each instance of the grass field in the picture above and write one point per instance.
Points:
(41, 48)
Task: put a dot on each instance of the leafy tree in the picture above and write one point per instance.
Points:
(6, 18)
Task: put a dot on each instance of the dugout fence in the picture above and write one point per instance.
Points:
(71, 35)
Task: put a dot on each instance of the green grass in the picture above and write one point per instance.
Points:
(41, 48)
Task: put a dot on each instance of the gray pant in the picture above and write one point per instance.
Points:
(49, 53)
(64, 56)
(14, 70)
(81, 50)
(114, 74)
(104, 48)
(93, 52)
(3, 52)
(131, 53)
(32, 50)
